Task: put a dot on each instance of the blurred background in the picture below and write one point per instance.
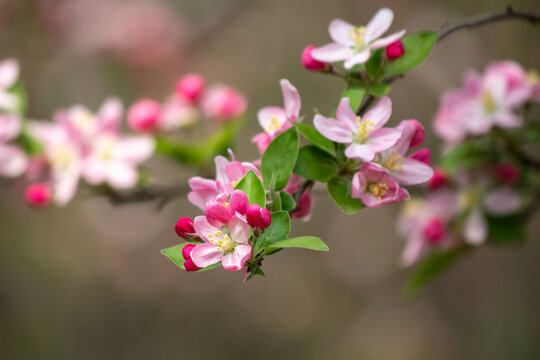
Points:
(88, 281)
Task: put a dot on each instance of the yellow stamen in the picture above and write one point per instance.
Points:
(61, 158)
(275, 124)
(378, 189)
(488, 102)
(394, 162)
(234, 183)
(357, 35)
(533, 77)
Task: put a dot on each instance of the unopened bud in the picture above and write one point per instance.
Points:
(38, 195)
(258, 217)
(309, 62)
(144, 115)
(395, 50)
(184, 225)
(190, 87)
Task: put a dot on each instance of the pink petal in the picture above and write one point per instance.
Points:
(384, 42)
(422, 155)
(235, 171)
(359, 183)
(221, 164)
(238, 202)
(414, 249)
(238, 228)
(262, 140)
(109, 115)
(13, 161)
(359, 58)
(64, 185)
(380, 113)
(9, 72)
(206, 254)
(236, 260)
(203, 227)
(359, 151)
(346, 115)
(339, 32)
(383, 139)
(379, 24)
(508, 120)
(122, 176)
(412, 172)
(291, 100)
(475, 230)
(332, 52)
(502, 201)
(203, 191)
(217, 214)
(135, 149)
(332, 129)
(269, 114)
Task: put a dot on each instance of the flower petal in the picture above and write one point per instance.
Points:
(134, 149)
(475, 230)
(332, 129)
(380, 113)
(412, 172)
(379, 24)
(238, 202)
(291, 100)
(384, 42)
(383, 139)
(346, 115)
(203, 227)
(238, 228)
(9, 72)
(359, 58)
(122, 175)
(272, 118)
(109, 116)
(502, 201)
(340, 31)
(236, 260)
(13, 161)
(332, 52)
(206, 254)
(359, 151)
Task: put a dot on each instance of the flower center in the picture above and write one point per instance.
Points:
(222, 241)
(488, 102)
(357, 35)
(469, 198)
(106, 150)
(363, 129)
(533, 77)
(394, 161)
(275, 124)
(62, 157)
(378, 189)
(83, 120)
(234, 183)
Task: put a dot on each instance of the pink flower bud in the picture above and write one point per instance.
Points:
(223, 103)
(190, 265)
(144, 115)
(419, 134)
(438, 180)
(38, 195)
(183, 226)
(258, 217)
(434, 231)
(507, 173)
(423, 155)
(395, 50)
(190, 87)
(309, 62)
(186, 251)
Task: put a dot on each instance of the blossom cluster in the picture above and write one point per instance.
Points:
(486, 179)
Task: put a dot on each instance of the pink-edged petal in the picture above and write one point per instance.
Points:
(379, 24)
(203, 227)
(13, 161)
(412, 172)
(221, 164)
(408, 129)
(414, 249)
(332, 129)
(94, 171)
(346, 115)
(475, 229)
(291, 100)
(383, 139)
(206, 254)
(236, 260)
(502, 201)
(359, 58)
(340, 31)
(235, 171)
(422, 155)
(122, 176)
(238, 228)
(380, 113)
(332, 52)
(134, 149)
(203, 191)
(359, 151)
(9, 72)
(238, 202)
(384, 42)
(359, 183)
(217, 214)
(64, 185)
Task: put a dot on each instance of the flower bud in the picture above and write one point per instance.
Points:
(309, 62)
(38, 195)
(258, 217)
(419, 134)
(434, 231)
(395, 50)
(224, 103)
(186, 251)
(190, 265)
(183, 226)
(508, 173)
(438, 180)
(423, 155)
(190, 87)
(144, 115)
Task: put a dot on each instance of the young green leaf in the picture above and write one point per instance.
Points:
(252, 186)
(508, 229)
(341, 191)
(279, 159)
(278, 230)
(315, 164)
(379, 90)
(306, 242)
(355, 95)
(287, 201)
(316, 138)
(417, 49)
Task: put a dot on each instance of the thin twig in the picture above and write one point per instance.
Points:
(162, 194)
(298, 194)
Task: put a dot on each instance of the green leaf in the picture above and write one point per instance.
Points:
(276, 202)
(315, 164)
(508, 229)
(306, 242)
(254, 271)
(22, 100)
(278, 160)
(379, 90)
(431, 266)
(316, 138)
(375, 62)
(175, 255)
(287, 201)
(341, 191)
(417, 49)
(278, 230)
(252, 186)
(355, 95)
(30, 145)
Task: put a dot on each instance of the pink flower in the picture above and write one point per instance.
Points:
(438, 180)
(38, 195)
(258, 217)
(13, 160)
(375, 188)
(309, 62)
(184, 225)
(422, 155)
(366, 136)
(9, 73)
(114, 160)
(395, 50)
(226, 244)
(223, 103)
(177, 113)
(220, 211)
(435, 230)
(307, 200)
(354, 44)
(144, 115)
(405, 170)
(274, 120)
(190, 87)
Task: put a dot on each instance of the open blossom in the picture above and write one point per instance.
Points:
(274, 119)
(353, 44)
(220, 210)
(13, 160)
(406, 170)
(366, 135)
(228, 244)
(9, 73)
(375, 187)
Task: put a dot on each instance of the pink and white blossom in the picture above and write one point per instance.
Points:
(375, 187)
(9, 73)
(353, 44)
(223, 103)
(13, 160)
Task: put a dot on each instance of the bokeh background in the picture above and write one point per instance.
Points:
(88, 281)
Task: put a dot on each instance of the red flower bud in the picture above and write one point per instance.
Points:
(395, 50)
(186, 251)
(190, 87)
(190, 265)
(144, 115)
(438, 180)
(508, 173)
(435, 231)
(183, 226)
(257, 217)
(423, 155)
(309, 62)
(419, 134)
(38, 195)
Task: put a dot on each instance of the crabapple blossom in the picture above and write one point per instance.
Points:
(366, 136)
(395, 50)
(220, 211)
(258, 217)
(184, 225)
(375, 187)
(144, 115)
(309, 62)
(190, 87)
(353, 44)
(186, 254)
(38, 195)
(13, 160)
(223, 103)
(307, 200)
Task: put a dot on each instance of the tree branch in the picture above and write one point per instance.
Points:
(161, 194)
